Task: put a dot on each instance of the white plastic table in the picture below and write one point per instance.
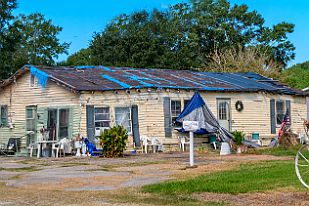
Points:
(39, 143)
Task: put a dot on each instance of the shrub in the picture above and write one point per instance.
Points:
(238, 137)
(114, 141)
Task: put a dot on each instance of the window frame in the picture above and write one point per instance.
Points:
(4, 120)
(33, 109)
(283, 111)
(223, 111)
(130, 118)
(60, 127)
(102, 120)
(32, 81)
(174, 115)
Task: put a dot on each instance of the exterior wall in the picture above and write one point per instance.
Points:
(19, 95)
(307, 107)
(150, 109)
(255, 116)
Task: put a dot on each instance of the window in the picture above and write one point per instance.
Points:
(175, 112)
(186, 102)
(222, 110)
(280, 111)
(3, 115)
(52, 124)
(63, 123)
(32, 80)
(102, 117)
(123, 117)
(30, 118)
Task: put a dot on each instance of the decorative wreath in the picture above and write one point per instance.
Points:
(239, 106)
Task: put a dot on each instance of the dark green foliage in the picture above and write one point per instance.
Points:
(26, 40)
(39, 43)
(8, 37)
(82, 57)
(114, 141)
(297, 76)
(187, 35)
(238, 137)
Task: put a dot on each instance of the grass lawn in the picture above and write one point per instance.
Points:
(263, 176)
(276, 151)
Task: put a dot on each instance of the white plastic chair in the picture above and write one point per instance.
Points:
(145, 142)
(78, 146)
(31, 147)
(183, 141)
(302, 138)
(155, 143)
(58, 147)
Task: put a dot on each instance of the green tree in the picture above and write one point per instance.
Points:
(188, 35)
(8, 37)
(81, 57)
(297, 76)
(39, 42)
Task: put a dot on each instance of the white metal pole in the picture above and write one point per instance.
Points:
(191, 149)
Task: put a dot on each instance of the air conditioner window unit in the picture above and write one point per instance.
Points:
(99, 130)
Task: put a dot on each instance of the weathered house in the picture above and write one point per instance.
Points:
(306, 90)
(88, 99)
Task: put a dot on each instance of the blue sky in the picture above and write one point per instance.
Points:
(80, 18)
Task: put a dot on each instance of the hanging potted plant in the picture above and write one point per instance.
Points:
(238, 137)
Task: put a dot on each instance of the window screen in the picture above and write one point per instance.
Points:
(123, 117)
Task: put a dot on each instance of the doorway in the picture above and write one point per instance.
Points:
(224, 113)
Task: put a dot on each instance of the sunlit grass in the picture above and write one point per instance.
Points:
(276, 151)
(246, 178)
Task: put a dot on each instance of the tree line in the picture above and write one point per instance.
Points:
(203, 35)
(26, 39)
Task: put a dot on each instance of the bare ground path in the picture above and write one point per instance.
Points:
(75, 181)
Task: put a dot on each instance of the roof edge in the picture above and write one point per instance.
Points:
(26, 68)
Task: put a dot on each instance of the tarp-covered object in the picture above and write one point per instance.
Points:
(197, 110)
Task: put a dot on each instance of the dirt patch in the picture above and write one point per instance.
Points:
(255, 199)
(79, 181)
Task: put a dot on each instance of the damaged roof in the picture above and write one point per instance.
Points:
(101, 78)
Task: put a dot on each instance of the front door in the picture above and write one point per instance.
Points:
(224, 113)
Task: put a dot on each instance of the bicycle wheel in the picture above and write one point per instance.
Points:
(302, 165)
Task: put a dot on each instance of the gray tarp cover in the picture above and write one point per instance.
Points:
(197, 110)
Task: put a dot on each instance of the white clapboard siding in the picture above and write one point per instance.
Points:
(19, 95)
(255, 116)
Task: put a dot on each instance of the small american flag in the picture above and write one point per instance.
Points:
(286, 123)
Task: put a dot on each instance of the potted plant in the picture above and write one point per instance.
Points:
(238, 137)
